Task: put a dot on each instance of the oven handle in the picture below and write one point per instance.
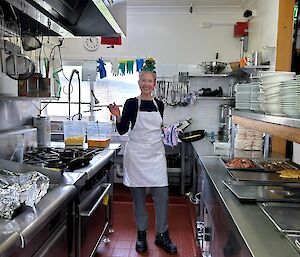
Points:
(90, 212)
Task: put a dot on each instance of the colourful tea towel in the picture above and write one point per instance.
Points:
(130, 66)
(101, 68)
(170, 135)
(139, 64)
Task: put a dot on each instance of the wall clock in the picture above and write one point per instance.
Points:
(91, 43)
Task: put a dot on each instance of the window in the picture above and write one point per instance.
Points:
(107, 90)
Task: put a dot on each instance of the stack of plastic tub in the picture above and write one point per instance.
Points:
(98, 134)
(74, 133)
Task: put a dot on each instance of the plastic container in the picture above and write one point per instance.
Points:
(98, 134)
(74, 132)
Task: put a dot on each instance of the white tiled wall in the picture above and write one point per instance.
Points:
(204, 114)
(205, 111)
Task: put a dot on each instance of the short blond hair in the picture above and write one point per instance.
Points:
(147, 71)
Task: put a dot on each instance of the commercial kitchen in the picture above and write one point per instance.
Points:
(227, 74)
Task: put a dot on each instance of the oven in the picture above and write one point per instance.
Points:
(42, 231)
(93, 212)
(91, 217)
(51, 240)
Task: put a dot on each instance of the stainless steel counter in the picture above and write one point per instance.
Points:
(257, 231)
(9, 242)
(16, 233)
(205, 147)
(96, 163)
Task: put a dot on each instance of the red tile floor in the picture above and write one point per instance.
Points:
(122, 240)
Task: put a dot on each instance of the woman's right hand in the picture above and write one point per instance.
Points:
(114, 109)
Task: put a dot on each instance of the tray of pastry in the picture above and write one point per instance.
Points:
(241, 164)
(277, 165)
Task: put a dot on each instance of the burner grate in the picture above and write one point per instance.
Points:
(59, 158)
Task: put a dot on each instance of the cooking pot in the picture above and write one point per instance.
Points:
(192, 136)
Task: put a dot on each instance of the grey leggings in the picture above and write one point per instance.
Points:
(160, 197)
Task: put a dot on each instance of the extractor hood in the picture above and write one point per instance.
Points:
(69, 18)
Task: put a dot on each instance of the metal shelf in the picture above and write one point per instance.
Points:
(286, 121)
(27, 98)
(281, 127)
(196, 74)
(215, 98)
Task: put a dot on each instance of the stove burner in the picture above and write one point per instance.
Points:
(60, 158)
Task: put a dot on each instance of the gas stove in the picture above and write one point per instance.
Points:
(67, 159)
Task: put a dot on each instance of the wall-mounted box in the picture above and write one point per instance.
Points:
(241, 29)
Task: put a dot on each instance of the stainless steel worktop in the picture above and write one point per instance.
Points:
(15, 233)
(205, 147)
(18, 232)
(257, 231)
(95, 164)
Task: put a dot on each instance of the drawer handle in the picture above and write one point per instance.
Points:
(90, 213)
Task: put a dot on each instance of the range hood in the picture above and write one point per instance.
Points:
(72, 18)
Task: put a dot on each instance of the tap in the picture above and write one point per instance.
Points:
(79, 97)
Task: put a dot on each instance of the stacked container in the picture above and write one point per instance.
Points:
(98, 134)
(74, 133)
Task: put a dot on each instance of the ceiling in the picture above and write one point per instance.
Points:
(200, 3)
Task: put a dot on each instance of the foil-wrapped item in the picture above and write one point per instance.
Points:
(19, 188)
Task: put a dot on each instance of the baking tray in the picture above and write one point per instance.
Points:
(278, 164)
(251, 192)
(256, 168)
(286, 217)
(262, 176)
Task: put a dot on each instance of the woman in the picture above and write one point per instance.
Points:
(144, 160)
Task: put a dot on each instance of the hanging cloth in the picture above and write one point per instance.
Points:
(122, 67)
(139, 64)
(170, 135)
(56, 64)
(115, 67)
(130, 66)
(101, 68)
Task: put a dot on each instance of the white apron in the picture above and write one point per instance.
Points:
(144, 159)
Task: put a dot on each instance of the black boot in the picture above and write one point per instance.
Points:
(141, 242)
(163, 240)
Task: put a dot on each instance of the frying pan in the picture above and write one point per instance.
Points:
(192, 136)
(78, 162)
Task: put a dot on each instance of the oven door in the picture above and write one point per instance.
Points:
(56, 245)
(93, 220)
